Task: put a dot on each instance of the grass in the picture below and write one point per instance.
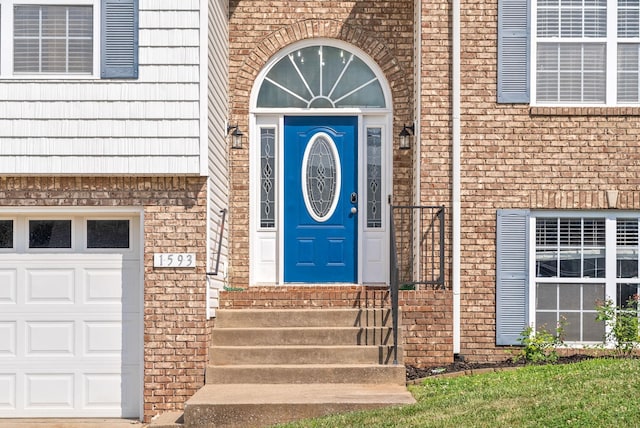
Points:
(592, 393)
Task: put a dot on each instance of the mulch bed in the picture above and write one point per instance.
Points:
(459, 367)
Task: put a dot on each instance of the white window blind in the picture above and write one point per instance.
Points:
(628, 45)
(571, 52)
(53, 39)
(628, 18)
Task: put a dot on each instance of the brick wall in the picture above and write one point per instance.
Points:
(426, 314)
(258, 30)
(175, 327)
(513, 156)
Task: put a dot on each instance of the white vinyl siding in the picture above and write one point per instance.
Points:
(148, 126)
(217, 146)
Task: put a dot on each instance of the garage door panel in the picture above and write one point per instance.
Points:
(102, 338)
(7, 391)
(8, 286)
(49, 391)
(102, 391)
(50, 338)
(53, 286)
(8, 339)
(103, 286)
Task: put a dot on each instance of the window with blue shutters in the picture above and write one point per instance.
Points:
(69, 39)
(554, 268)
(569, 52)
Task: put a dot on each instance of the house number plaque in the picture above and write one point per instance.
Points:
(174, 260)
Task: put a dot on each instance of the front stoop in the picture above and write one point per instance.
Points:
(268, 366)
(255, 405)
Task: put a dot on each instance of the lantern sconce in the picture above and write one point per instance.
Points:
(236, 136)
(406, 136)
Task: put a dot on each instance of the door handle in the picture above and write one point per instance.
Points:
(354, 198)
(354, 210)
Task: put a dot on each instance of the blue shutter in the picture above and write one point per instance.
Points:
(512, 275)
(119, 38)
(513, 51)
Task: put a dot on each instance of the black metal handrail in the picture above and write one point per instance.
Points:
(416, 253)
(223, 213)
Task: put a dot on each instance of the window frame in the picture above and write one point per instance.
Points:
(382, 190)
(14, 237)
(274, 177)
(610, 280)
(611, 42)
(27, 231)
(7, 31)
(109, 249)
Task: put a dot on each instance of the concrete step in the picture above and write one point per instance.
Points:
(360, 354)
(250, 318)
(307, 374)
(242, 405)
(167, 420)
(321, 336)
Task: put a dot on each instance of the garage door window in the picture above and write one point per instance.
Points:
(49, 233)
(107, 233)
(6, 233)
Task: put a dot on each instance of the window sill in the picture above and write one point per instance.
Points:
(56, 77)
(584, 111)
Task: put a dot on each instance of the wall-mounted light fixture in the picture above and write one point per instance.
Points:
(236, 136)
(406, 136)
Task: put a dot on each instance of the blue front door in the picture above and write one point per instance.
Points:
(320, 199)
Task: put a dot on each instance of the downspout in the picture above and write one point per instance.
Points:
(417, 116)
(455, 274)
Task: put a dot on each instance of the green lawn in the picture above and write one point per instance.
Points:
(592, 393)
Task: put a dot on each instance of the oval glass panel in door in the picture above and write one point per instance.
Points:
(321, 177)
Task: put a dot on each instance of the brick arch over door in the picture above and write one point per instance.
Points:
(278, 40)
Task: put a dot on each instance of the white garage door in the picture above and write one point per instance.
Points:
(70, 317)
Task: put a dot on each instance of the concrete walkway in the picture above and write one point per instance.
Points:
(71, 423)
(260, 405)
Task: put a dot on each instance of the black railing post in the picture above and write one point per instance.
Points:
(428, 239)
(394, 278)
(441, 225)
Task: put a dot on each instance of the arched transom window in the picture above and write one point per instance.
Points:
(321, 77)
